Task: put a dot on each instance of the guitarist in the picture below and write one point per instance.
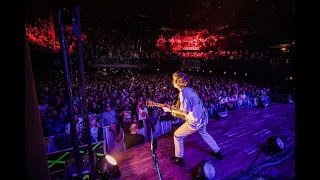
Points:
(195, 115)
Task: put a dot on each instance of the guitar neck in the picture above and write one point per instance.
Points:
(178, 113)
(161, 105)
(158, 105)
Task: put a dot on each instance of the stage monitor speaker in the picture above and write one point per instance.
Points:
(286, 100)
(264, 104)
(220, 114)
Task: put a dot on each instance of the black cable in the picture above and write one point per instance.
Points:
(64, 9)
(254, 160)
(252, 171)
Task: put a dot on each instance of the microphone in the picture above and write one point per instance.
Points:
(154, 145)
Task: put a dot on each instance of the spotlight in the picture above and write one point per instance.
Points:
(274, 145)
(107, 168)
(205, 170)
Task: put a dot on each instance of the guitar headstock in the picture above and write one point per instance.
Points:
(150, 103)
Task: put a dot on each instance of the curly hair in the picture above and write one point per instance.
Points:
(181, 79)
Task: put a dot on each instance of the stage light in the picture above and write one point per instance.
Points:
(111, 160)
(274, 145)
(225, 72)
(157, 69)
(205, 170)
(210, 71)
(189, 69)
(107, 168)
(245, 74)
(235, 73)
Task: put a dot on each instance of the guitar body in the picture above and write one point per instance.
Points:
(175, 105)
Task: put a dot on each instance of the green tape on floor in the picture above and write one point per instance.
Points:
(55, 161)
(58, 161)
(86, 176)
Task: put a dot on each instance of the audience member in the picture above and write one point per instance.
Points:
(133, 139)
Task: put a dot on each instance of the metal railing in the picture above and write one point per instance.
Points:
(63, 142)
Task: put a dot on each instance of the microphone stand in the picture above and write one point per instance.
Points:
(70, 116)
(83, 91)
(155, 159)
(154, 144)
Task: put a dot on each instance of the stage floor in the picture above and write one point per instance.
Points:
(240, 136)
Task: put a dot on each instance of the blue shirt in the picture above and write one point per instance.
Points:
(191, 102)
(108, 118)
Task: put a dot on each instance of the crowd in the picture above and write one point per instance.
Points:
(39, 34)
(192, 40)
(117, 99)
(111, 43)
(103, 44)
(234, 55)
(97, 42)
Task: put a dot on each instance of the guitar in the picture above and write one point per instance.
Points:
(179, 113)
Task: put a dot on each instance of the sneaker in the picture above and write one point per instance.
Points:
(179, 161)
(217, 154)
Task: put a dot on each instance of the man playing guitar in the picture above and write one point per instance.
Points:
(194, 113)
